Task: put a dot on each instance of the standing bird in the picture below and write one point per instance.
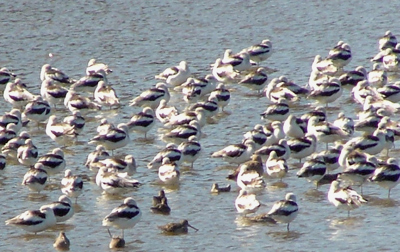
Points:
(35, 178)
(142, 122)
(94, 67)
(113, 138)
(285, 211)
(344, 198)
(125, 216)
(54, 162)
(71, 185)
(190, 150)
(28, 153)
(62, 133)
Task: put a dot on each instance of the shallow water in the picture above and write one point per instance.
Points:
(140, 39)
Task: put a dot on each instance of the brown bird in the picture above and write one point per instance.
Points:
(62, 242)
(162, 207)
(177, 228)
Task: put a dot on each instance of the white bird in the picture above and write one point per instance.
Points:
(52, 93)
(6, 76)
(111, 183)
(96, 155)
(62, 208)
(76, 120)
(71, 185)
(344, 198)
(126, 165)
(176, 75)
(114, 138)
(246, 203)
(171, 151)
(17, 95)
(125, 216)
(53, 162)
(76, 102)
(50, 73)
(27, 154)
(34, 221)
(106, 95)
(12, 117)
(37, 110)
(190, 150)
(276, 167)
(259, 52)
(239, 62)
(285, 211)
(387, 175)
(93, 67)
(152, 97)
(236, 153)
(10, 149)
(142, 122)
(62, 133)
(35, 178)
(169, 172)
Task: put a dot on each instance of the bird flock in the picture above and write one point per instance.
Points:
(358, 143)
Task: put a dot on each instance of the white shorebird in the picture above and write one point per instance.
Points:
(8, 133)
(113, 138)
(327, 92)
(387, 175)
(111, 183)
(142, 122)
(62, 208)
(302, 147)
(246, 203)
(224, 72)
(6, 76)
(236, 153)
(277, 111)
(275, 166)
(12, 117)
(27, 154)
(52, 93)
(255, 80)
(183, 132)
(37, 110)
(190, 150)
(176, 75)
(125, 216)
(94, 67)
(164, 112)
(53, 162)
(106, 95)
(76, 102)
(17, 95)
(340, 55)
(62, 133)
(259, 52)
(281, 149)
(344, 197)
(50, 73)
(76, 120)
(96, 155)
(35, 178)
(126, 165)
(353, 77)
(10, 149)
(71, 185)
(171, 151)
(90, 82)
(239, 62)
(34, 220)
(222, 94)
(294, 127)
(387, 41)
(258, 135)
(152, 97)
(285, 211)
(169, 172)
(313, 169)
(198, 114)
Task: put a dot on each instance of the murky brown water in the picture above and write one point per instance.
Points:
(141, 38)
